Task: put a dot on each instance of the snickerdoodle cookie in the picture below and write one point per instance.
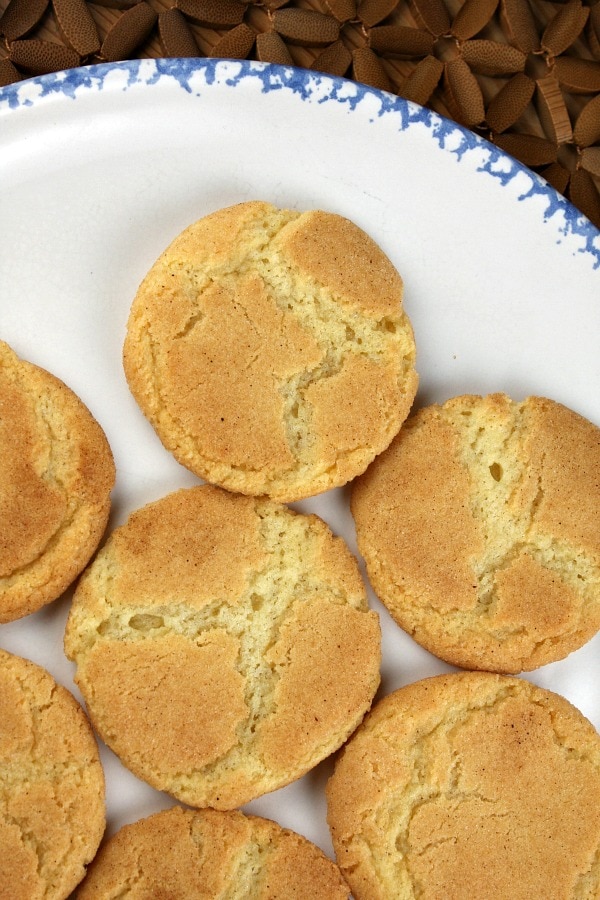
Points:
(52, 814)
(56, 474)
(479, 527)
(205, 854)
(468, 786)
(270, 351)
(223, 645)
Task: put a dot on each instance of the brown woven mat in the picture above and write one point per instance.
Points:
(522, 73)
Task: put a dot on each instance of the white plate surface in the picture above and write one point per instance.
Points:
(101, 167)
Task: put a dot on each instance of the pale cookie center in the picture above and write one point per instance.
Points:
(272, 601)
(494, 796)
(504, 499)
(316, 334)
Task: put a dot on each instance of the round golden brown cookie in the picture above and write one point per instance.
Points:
(51, 785)
(224, 645)
(270, 351)
(468, 786)
(56, 474)
(479, 527)
(205, 854)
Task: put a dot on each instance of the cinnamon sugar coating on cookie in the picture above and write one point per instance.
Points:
(270, 351)
(224, 645)
(469, 785)
(200, 855)
(56, 474)
(51, 785)
(479, 527)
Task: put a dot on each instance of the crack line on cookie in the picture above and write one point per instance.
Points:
(338, 328)
(51, 475)
(399, 808)
(519, 536)
(271, 597)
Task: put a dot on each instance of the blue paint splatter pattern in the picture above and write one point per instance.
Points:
(312, 87)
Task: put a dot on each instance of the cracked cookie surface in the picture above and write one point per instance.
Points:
(52, 813)
(56, 474)
(479, 528)
(211, 855)
(469, 785)
(270, 351)
(224, 645)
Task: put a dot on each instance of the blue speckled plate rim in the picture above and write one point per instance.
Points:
(318, 88)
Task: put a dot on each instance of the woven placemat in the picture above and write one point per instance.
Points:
(523, 73)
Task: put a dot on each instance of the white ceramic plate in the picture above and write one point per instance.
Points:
(101, 167)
